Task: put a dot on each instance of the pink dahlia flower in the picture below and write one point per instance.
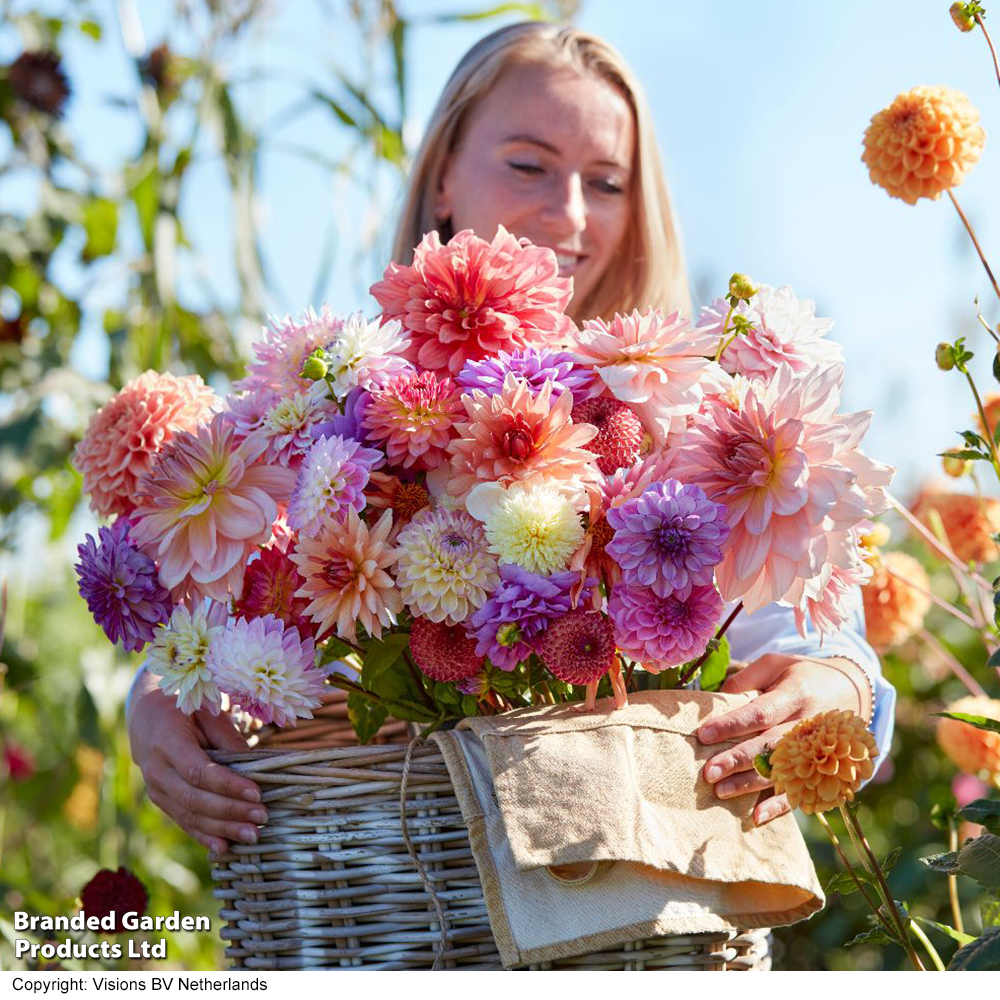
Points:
(204, 508)
(269, 589)
(411, 416)
(124, 437)
(516, 435)
(470, 299)
(656, 364)
(288, 425)
(267, 669)
(279, 356)
(246, 411)
(785, 330)
(790, 473)
(347, 581)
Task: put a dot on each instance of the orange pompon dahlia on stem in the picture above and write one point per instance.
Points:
(969, 522)
(975, 751)
(896, 600)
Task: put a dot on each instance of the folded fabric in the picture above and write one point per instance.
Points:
(590, 829)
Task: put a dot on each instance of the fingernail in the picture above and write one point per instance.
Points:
(251, 795)
(724, 788)
(220, 847)
(763, 816)
(713, 773)
(707, 734)
(258, 815)
(248, 835)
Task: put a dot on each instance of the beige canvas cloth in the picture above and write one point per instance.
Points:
(591, 829)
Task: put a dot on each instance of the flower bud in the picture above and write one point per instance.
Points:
(509, 634)
(961, 14)
(762, 764)
(944, 356)
(954, 466)
(315, 367)
(742, 287)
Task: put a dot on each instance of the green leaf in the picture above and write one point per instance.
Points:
(844, 884)
(980, 860)
(145, 194)
(381, 656)
(989, 913)
(875, 936)
(967, 453)
(470, 704)
(945, 929)
(713, 670)
(409, 712)
(366, 716)
(942, 813)
(530, 12)
(91, 29)
(100, 221)
(946, 863)
(996, 366)
(890, 860)
(994, 660)
(973, 440)
(981, 955)
(985, 812)
(979, 721)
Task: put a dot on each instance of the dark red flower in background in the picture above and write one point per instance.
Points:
(38, 79)
(117, 892)
(18, 763)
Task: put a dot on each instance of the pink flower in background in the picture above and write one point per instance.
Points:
(280, 354)
(785, 330)
(789, 470)
(114, 892)
(203, 509)
(516, 435)
(267, 669)
(124, 437)
(470, 299)
(411, 416)
(18, 763)
(656, 364)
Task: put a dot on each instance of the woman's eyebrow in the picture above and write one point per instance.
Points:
(548, 147)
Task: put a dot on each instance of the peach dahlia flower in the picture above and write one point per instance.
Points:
(896, 600)
(968, 522)
(972, 750)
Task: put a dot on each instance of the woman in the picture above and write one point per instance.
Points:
(545, 131)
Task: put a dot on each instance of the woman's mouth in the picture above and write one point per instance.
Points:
(569, 263)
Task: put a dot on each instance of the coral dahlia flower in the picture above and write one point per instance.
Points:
(516, 435)
(470, 299)
(896, 600)
(969, 522)
(269, 588)
(347, 581)
(924, 143)
(975, 751)
(656, 364)
(205, 507)
(124, 437)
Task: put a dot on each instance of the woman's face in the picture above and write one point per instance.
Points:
(547, 154)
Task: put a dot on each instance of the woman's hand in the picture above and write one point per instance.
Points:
(791, 688)
(209, 802)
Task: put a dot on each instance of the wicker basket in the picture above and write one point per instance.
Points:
(365, 862)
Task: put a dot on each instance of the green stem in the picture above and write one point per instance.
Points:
(418, 680)
(986, 424)
(692, 670)
(722, 339)
(956, 907)
(975, 243)
(996, 65)
(928, 947)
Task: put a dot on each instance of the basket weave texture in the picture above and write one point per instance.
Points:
(365, 862)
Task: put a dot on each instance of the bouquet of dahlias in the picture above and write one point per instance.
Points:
(469, 504)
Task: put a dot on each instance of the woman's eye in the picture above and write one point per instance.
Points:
(608, 187)
(526, 168)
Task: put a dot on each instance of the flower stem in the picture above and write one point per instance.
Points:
(953, 662)
(975, 243)
(956, 906)
(418, 680)
(928, 947)
(996, 65)
(722, 339)
(940, 602)
(986, 424)
(690, 672)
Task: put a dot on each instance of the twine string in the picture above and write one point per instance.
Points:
(414, 857)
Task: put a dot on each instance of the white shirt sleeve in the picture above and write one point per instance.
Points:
(771, 629)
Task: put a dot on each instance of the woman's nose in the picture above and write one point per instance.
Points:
(566, 214)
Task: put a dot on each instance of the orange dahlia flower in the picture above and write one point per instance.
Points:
(968, 522)
(991, 404)
(895, 599)
(924, 143)
(821, 763)
(972, 750)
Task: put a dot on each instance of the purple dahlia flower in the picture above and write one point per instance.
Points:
(669, 538)
(661, 632)
(348, 424)
(521, 607)
(536, 366)
(121, 587)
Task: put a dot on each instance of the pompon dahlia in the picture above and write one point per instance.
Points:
(991, 404)
(445, 571)
(204, 507)
(662, 632)
(619, 432)
(124, 437)
(975, 751)
(517, 435)
(822, 762)
(287, 428)
(895, 599)
(790, 473)
(471, 299)
(121, 587)
(536, 526)
(784, 330)
(969, 522)
(443, 652)
(330, 481)
(521, 608)
(533, 365)
(924, 143)
(114, 892)
(345, 569)
(579, 648)
(411, 416)
(364, 354)
(267, 669)
(280, 354)
(269, 588)
(668, 538)
(656, 364)
(178, 652)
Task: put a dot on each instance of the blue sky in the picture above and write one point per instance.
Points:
(760, 108)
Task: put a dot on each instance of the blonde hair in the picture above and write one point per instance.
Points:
(649, 268)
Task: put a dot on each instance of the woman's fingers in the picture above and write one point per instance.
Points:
(771, 808)
(759, 675)
(741, 757)
(768, 710)
(221, 731)
(741, 783)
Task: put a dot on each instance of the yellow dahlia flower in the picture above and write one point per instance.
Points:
(925, 142)
(821, 763)
(972, 750)
(894, 609)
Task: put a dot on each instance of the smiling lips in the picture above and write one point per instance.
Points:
(569, 261)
